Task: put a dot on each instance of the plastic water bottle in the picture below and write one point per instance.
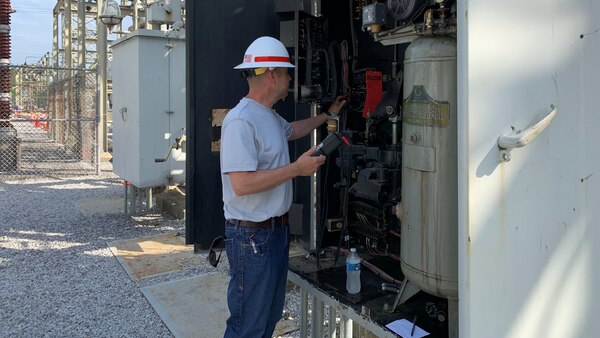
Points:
(353, 272)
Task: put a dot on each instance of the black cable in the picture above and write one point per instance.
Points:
(346, 172)
(332, 83)
(324, 208)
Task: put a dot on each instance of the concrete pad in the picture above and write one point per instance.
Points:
(194, 307)
(172, 201)
(91, 206)
(145, 257)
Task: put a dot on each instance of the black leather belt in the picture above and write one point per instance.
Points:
(277, 221)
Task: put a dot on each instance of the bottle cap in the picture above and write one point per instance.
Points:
(352, 249)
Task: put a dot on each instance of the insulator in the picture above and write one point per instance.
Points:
(5, 12)
(4, 46)
(5, 103)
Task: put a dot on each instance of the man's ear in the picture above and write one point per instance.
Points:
(271, 77)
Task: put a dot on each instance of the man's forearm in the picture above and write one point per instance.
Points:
(252, 182)
(304, 127)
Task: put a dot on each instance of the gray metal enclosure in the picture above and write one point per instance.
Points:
(54, 123)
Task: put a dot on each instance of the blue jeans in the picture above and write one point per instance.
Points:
(258, 264)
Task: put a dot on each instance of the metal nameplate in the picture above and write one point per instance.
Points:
(421, 110)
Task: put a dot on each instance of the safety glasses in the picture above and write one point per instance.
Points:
(213, 259)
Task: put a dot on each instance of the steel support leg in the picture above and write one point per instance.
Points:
(133, 200)
(345, 327)
(125, 204)
(140, 201)
(303, 313)
(149, 198)
(316, 323)
(332, 322)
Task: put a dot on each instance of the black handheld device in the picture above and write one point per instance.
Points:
(328, 145)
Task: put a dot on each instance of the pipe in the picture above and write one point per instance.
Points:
(135, 15)
(102, 77)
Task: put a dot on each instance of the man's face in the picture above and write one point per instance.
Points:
(282, 82)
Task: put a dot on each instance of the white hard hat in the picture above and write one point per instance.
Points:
(265, 52)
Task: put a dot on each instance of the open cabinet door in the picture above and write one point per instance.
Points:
(528, 227)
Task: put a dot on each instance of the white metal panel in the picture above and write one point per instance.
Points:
(528, 265)
(148, 108)
(125, 107)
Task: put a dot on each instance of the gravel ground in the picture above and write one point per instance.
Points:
(58, 278)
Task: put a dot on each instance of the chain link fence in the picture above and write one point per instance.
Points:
(53, 124)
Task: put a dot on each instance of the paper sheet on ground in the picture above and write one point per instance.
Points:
(403, 327)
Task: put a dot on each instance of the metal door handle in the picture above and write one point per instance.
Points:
(521, 138)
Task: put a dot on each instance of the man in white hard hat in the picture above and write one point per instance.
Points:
(256, 173)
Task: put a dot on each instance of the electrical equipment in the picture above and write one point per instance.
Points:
(319, 61)
(335, 224)
(402, 10)
(392, 189)
(149, 108)
(373, 16)
(429, 169)
(313, 60)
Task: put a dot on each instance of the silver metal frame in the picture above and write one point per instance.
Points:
(347, 314)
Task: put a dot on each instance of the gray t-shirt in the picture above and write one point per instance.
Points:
(254, 137)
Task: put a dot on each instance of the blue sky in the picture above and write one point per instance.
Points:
(31, 30)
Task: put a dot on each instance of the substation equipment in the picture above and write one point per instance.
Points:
(392, 192)
(149, 109)
(10, 147)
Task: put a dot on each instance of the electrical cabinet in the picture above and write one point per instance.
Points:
(148, 72)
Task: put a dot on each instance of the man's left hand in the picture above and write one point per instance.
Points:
(337, 105)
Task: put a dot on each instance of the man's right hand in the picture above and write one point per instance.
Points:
(307, 165)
